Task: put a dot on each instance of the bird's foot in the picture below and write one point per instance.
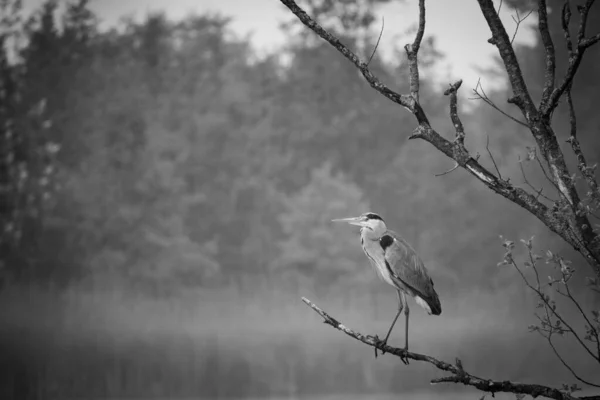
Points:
(403, 357)
(378, 343)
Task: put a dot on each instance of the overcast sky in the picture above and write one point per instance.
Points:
(458, 25)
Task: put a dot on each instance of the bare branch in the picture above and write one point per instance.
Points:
(539, 124)
(458, 126)
(565, 20)
(518, 21)
(564, 363)
(548, 309)
(378, 39)
(487, 147)
(583, 12)
(459, 375)
(501, 40)
(575, 56)
(484, 97)
(526, 181)
(587, 172)
(585, 43)
(412, 51)
(404, 100)
(555, 222)
(539, 161)
(585, 317)
(450, 170)
(549, 75)
(551, 331)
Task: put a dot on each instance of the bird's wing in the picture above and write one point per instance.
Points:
(406, 267)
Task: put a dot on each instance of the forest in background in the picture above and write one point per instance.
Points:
(167, 197)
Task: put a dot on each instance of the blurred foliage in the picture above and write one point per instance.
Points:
(165, 158)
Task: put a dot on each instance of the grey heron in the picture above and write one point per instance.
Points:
(398, 264)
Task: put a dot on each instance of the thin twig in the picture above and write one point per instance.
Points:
(518, 21)
(547, 309)
(592, 328)
(484, 97)
(450, 170)
(526, 181)
(556, 314)
(537, 158)
(563, 362)
(378, 39)
(487, 147)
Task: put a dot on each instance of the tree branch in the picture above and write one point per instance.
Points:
(487, 147)
(405, 101)
(412, 51)
(459, 375)
(539, 124)
(549, 308)
(484, 97)
(378, 39)
(458, 126)
(575, 56)
(549, 76)
(556, 222)
(526, 181)
(587, 172)
(500, 39)
(518, 21)
(450, 170)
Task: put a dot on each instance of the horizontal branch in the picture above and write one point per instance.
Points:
(458, 374)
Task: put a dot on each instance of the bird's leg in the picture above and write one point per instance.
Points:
(400, 307)
(406, 313)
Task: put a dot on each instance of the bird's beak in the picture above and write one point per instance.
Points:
(353, 220)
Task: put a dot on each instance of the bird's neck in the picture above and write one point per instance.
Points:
(374, 233)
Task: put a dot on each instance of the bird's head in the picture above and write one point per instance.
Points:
(369, 220)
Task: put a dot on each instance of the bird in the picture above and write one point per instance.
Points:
(399, 265)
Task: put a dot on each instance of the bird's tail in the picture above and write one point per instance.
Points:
(431, 303)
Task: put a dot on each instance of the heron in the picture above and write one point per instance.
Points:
(398, 264)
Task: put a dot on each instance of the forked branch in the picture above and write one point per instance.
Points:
(457, 152)
(481, 95)
(457, 372)
(576, 52)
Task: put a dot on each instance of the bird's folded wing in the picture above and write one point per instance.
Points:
(406, 266)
